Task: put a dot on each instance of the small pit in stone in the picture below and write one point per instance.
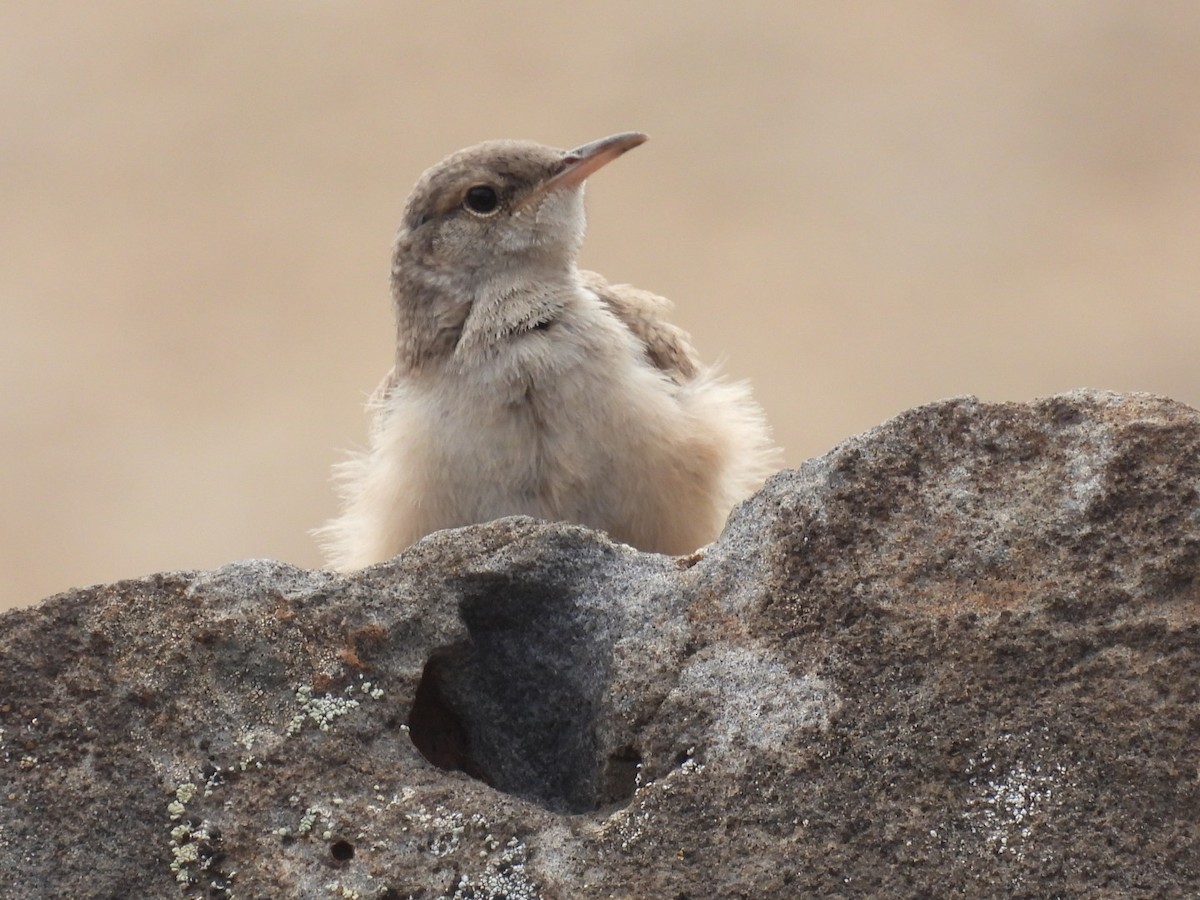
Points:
(520, 705)
(342, 851)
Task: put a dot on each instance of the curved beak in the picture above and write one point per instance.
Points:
(581, 162)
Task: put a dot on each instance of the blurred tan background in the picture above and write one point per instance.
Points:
(862, 208)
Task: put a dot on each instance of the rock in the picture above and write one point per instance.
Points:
(957, 656)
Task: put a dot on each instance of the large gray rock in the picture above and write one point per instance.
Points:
(957, 656)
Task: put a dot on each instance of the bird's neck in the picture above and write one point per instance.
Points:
(446, 322)
(429, 324)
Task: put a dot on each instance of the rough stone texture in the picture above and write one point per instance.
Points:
(957, 656)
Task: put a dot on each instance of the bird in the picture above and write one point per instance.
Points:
(524, 385)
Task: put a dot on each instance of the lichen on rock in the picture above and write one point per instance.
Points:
(957, 655)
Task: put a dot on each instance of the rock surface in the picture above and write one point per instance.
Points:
(957, 656)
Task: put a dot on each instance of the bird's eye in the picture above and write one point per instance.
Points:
(481, 200)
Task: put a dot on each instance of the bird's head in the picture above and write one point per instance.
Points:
(496, 203)
(493, 220)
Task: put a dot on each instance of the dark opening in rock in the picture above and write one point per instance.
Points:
(342, 851)
(435, 727)
(520, 703)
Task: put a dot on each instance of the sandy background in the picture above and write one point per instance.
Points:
(862, 209)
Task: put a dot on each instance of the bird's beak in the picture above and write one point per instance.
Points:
(581, 162)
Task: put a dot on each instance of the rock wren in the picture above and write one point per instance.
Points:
(525, 386)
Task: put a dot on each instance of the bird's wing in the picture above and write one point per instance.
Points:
(668, 347)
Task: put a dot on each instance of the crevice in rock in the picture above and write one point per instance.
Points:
(436, 729)
(520, 703)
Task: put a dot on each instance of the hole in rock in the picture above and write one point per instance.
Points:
(341, 850)
(520, 704)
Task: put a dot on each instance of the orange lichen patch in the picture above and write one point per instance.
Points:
(349, 656)
(323, 683)
(359, 642)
